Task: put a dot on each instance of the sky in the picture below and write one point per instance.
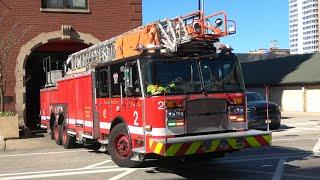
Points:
(258, 21)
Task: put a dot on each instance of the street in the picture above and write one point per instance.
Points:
(295, 154)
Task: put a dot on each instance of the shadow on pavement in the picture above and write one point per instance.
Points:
(286, 117)
(262, 162)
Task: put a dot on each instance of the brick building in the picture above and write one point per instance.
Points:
(55, 28)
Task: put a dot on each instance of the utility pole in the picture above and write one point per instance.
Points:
(201, 5)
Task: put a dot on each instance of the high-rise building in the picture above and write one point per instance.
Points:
(303, 26)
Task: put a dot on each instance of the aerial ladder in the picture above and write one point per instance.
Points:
(166, 36)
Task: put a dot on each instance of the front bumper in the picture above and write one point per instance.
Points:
(256, 122)
(224, 142)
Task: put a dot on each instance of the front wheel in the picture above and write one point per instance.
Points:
(120, 147)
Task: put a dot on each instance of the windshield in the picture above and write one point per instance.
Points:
(177, 76)
(172, 77)
(254, 97)
(221, 76)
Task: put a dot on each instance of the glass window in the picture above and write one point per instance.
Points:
(172, 77)
(221, 75)
(118, 82)
(65, 4)
(254, 97)
(117, 79)
(102, 83)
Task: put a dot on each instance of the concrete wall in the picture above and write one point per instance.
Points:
(9, 127)
(294, 98)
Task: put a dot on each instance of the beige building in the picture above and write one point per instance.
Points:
(293, 81)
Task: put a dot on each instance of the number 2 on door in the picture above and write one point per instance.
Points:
(135, 116)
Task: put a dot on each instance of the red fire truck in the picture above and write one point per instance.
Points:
(165, 88)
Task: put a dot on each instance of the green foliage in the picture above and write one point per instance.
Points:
(7, 114)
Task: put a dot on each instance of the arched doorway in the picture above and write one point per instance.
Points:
(53, 43)
(35, 77)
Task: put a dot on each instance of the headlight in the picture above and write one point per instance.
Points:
(175, 114)
(236, 110)
(236, 113)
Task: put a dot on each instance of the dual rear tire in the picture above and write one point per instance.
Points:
(61, 136)
(119, 146)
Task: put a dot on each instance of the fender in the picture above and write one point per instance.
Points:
(118, 120)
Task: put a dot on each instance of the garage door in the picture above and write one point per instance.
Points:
(313, 100)
(292, 100)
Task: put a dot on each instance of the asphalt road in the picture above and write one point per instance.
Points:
(295, 154)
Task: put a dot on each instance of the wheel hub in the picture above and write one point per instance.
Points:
(122, 145)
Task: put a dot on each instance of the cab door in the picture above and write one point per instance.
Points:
(126, 99)
(103, 100)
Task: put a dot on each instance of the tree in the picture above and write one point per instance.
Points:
(11, 33)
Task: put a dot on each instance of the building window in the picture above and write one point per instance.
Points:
(64, 4)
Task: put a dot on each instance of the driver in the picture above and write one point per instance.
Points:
(155, 89)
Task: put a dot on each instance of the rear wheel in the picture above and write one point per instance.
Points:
(57, 130)
(52, 120)
(120, 147)
(52, 133)
(68, 141)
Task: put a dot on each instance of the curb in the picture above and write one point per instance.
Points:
(2, 144)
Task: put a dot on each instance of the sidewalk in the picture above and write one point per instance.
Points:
(41, 141)
(299, 114)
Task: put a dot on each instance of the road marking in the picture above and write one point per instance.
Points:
(70, 173)
(54, 171)
(297, 124)
(45, 153)
(291, 139)
(279, 171)
(122, 174)
(309, 129)
(97, 164)
(316, 148)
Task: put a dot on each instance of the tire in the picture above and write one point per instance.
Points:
(95, 146)
(51, 124)
(120, 147)
(57, 133)
(68, 141)
(275, 126)
(52, 134)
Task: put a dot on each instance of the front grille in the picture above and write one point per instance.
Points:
(263, 112)
(206, 115)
